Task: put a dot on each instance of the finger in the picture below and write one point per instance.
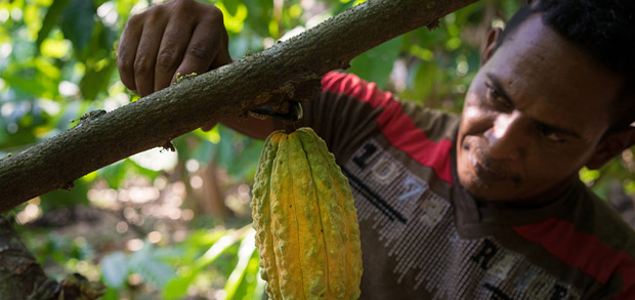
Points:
(201, 51)
(127, 50)
(173, 44)
(223, 57)
(145, 58)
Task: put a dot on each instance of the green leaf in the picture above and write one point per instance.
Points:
(154, 271)
(215, 251)
(422, 82)
(114, 269)
(111, 294)
(60, 198)
(231, 5)
(203, 151)
(26, 83)
(97, 80)
(116, 173)
(50, 20)
(260, 14)
(78, 21)
(177, 287)
(376, 64)
(237, 286)
(237, 153)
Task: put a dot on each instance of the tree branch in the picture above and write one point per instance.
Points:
(288, 70)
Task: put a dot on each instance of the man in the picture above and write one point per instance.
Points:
(482, 206)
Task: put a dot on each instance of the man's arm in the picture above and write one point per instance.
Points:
(178, 37)
(251, 127)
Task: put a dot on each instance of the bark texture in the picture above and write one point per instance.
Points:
(20, 273)
(289, 70)
(22, 277)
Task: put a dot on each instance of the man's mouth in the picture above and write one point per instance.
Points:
(483, 171)
(486, 169)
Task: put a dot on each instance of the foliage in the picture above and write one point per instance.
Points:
(58, 61)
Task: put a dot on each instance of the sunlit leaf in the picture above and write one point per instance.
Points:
(177, 287)
(55, 48)
(49, 70)
(51, 19)
(588, 176)
(215, 251)
(237, 277)
(234, 22)
(212, 135)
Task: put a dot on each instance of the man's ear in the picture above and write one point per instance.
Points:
(612, 145)
(490, 44)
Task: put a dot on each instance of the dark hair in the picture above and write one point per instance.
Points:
(605, 29)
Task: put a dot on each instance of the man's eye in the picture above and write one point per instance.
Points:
(549, 133)
(497, 98)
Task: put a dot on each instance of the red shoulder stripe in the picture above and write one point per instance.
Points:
(398, 128)
(582, 250)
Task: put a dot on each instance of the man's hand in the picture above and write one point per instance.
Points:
(180, 36)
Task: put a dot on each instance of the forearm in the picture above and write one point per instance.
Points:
(251, 127)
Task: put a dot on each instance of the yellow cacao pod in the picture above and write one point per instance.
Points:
(306, 222)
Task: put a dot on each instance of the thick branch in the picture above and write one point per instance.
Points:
(286, 70)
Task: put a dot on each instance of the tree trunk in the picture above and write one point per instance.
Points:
(20, 273)
(289, 70)
(22, 277)
(213, 194)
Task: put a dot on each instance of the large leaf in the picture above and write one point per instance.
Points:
(61, 198)
(177, 287)
(153, 270)
(114, 269)
(78, 21)
(50, 20)
(260, 14)
(96, 81)
(376, 64)
(242, 280)
(237, 153)
(423, 81)
(24, 81)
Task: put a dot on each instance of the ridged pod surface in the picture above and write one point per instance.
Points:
(305, 219)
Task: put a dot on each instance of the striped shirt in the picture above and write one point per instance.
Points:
(424, 237)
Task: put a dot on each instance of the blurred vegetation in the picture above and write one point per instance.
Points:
(174, 225)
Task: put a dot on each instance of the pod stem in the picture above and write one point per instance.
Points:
(289, 127)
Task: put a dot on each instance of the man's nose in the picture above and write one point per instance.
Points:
(508, 138)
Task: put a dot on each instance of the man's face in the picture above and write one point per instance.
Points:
(534, 115)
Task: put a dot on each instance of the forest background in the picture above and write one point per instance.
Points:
(177, 225)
